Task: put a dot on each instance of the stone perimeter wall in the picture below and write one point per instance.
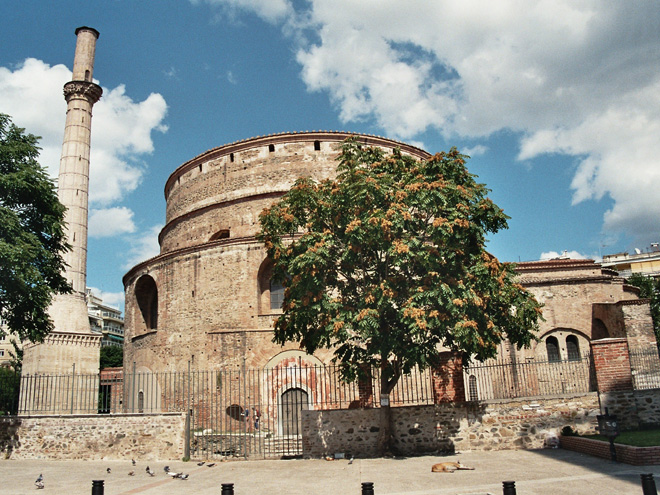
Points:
(495, 425)
(94, 437)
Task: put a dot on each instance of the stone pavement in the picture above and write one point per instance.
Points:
(539, 472)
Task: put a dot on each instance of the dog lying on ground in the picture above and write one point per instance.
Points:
(449, 467)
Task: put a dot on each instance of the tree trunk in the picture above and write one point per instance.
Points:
(385, 443)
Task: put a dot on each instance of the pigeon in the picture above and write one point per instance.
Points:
(149, 471)
(166, 469)
(173, 474)
(200, 463)
(183, 477)
(39, 484)
(350, 461)
(133, 461)
(211, 465)
(131, 473)
(40, 478)
(107, 470)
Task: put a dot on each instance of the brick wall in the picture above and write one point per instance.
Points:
(612, 364)
(637, 456)
(448, 380)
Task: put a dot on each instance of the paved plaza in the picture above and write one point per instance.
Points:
(540, 472)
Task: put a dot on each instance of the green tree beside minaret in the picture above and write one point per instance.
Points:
(32, 238)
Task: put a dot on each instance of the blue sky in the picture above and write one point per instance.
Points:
(558, 103)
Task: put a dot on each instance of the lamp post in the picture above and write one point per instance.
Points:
(608, 426)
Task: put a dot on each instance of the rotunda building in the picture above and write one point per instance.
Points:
(207, 301)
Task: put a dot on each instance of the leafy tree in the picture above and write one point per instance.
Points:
(10, 382)
(112, 356)
(32, 238)
(649, 288)
(386, 265)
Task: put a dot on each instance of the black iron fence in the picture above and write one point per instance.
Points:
(645, 367)
(494, 379)
(257, 412)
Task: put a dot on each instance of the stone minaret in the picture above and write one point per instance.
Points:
(72, 347)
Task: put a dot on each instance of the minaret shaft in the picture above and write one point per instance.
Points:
(73, 183)
(72, 346)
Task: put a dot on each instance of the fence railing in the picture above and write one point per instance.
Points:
(495, 379)
(317, 387)
(645, 367)
(179, 391)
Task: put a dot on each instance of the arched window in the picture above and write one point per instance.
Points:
(271, 148)
(317, 145)
(552, 347)
(599, 330)
(572, 348)
(146, 294)
(140, 401)
(271, 291)
(472, 388)
(276, 294)
(220, 234)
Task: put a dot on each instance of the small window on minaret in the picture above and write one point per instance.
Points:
(317, 145)
(271, 148)
(231, 157)
(87, 75)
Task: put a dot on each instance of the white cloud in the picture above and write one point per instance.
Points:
(143, 247)
(577, 78)
(269, 10)
(477, 150)
(121, 129)
(573, 255)
(109, 222)
(115, 299)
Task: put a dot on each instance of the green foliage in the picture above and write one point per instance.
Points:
(9, 391)
(649, 288)
(637, 438)
(112, 356)
(32, 238)
(386, 264)
(16, 361)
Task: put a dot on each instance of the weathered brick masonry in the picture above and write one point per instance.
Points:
(638, 456)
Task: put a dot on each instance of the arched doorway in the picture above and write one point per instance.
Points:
(292, 402)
